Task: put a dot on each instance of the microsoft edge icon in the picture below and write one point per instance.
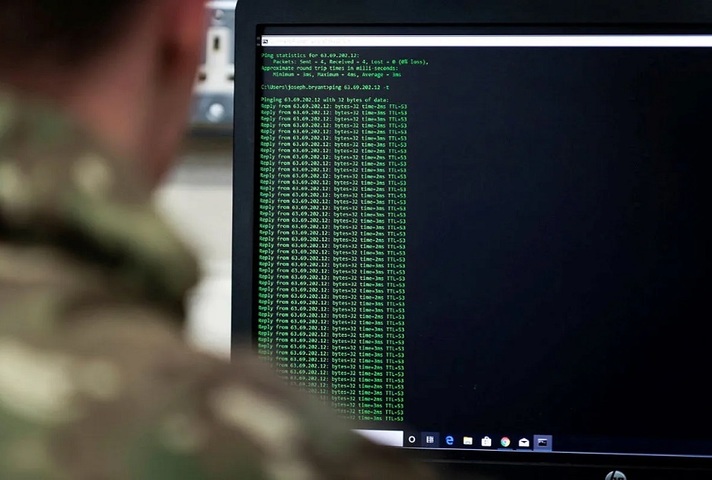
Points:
(449, 440)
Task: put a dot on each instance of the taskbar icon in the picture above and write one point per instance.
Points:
(543, 443)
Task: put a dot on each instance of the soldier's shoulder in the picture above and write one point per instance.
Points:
(60, 188)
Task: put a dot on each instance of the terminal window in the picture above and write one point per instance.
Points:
(488, 231)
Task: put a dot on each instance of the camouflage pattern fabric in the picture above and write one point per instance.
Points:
(95, 380)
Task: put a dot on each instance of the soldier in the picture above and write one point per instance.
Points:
(95, 381)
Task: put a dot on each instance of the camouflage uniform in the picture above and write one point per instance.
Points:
(95, 381)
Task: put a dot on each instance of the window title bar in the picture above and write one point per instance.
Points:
(487, 41)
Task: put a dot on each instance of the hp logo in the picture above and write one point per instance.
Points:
(616, 475)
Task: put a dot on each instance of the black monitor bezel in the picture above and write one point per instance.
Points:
(253, 15)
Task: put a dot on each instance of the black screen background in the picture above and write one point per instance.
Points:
(557, 241)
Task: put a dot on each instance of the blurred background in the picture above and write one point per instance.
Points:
(197, 199)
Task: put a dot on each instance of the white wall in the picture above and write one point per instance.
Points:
(197, 199)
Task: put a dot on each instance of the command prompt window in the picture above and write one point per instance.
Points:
(498, 234)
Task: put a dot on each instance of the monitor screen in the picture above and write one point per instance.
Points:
(489, 239)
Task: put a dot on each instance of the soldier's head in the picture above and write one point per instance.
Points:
(123, 68)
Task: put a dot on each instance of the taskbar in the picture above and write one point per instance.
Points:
(542, 443)
(487, 441)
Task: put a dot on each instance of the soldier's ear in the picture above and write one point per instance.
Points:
(178, 30)
(184, 24)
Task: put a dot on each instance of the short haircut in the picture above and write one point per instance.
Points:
(61, 32)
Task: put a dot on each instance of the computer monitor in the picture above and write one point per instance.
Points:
(480, 229)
